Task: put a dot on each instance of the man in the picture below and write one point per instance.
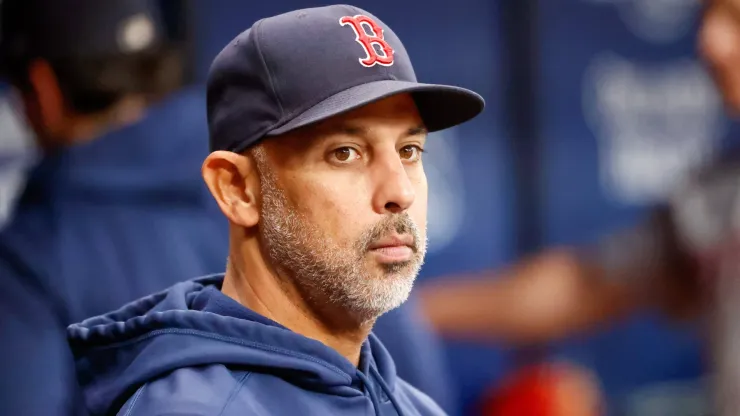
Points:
(113, 216)
(317, 127)
(115, 208)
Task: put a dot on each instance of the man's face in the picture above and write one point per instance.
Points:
(719, 41)
(344, 207)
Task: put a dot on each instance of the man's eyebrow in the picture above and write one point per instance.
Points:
(351, 130)
(362, 131)
(419, 130)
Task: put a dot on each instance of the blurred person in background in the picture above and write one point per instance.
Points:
(683, 260)
(101, 219)
(116, 208)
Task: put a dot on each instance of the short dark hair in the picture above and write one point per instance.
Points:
(93, 84)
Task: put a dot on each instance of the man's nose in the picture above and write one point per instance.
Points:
(394, 191)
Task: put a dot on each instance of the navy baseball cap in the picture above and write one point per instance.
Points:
(301, 67)
(77, 28)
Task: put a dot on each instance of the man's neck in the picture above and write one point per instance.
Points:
(253, 283)
(86, 128)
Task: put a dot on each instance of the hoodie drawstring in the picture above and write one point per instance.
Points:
(373, 396)
(387, 391)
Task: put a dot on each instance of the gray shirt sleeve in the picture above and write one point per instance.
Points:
(630, 254)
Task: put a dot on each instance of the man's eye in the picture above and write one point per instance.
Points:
(345, 154)
(411, 152)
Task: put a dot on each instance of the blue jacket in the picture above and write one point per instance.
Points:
(99, 225)
(194, 351)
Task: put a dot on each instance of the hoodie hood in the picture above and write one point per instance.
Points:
(159, 156)
(118, 352)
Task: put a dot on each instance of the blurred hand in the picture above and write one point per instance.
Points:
(719, 43)
(561, 292)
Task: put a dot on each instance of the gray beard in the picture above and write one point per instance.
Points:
(329, 276)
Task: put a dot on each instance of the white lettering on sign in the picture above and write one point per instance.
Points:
(654, 123)
(656, 21)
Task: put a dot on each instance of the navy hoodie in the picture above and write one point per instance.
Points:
(191, 350)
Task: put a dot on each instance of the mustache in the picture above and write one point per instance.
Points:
(400, 223)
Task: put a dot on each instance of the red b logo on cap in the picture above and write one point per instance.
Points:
(368, 41)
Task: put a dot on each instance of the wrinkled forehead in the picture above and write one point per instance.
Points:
(395, 111)
(389, 119)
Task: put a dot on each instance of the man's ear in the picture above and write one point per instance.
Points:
(234, 182)
(48, 108)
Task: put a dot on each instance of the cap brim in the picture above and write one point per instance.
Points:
(440, 106)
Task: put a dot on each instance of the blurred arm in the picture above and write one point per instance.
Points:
(564, 291)
(545, 297)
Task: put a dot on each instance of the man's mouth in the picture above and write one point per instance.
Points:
(394, 248)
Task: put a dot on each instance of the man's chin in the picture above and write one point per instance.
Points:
(387, 292)
(398, 270)
(394, 269)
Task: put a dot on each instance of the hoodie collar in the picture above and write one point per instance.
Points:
(125, 348)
